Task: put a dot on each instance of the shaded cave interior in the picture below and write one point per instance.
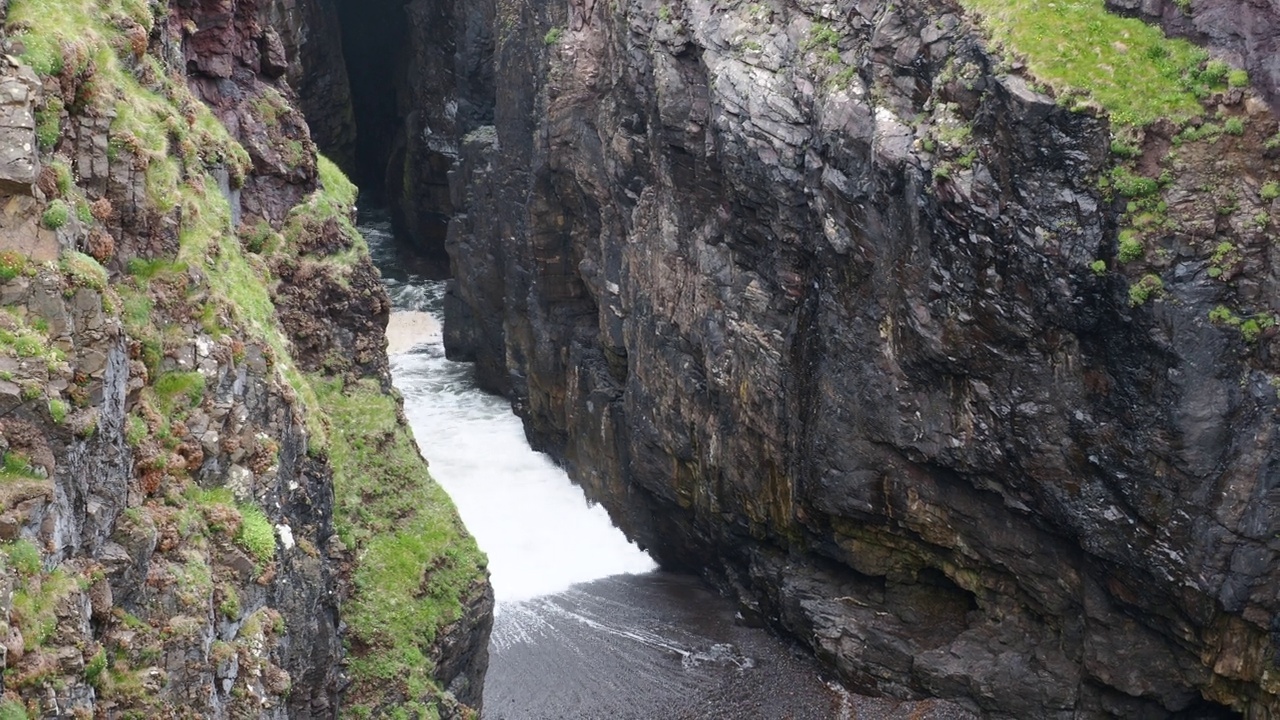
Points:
(398, 58)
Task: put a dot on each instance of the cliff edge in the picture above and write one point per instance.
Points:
(212, 505)
(940, 334)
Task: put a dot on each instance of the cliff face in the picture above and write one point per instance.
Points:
(209, 493)
(966, 387)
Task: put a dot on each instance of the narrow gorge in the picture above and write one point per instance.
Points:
(940, 336)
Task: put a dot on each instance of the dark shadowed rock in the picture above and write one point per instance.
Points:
(766, 308)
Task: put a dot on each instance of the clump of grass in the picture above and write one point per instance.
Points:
(821, 36)
(178, 391)
(1270, 191)
(1131, 247)
(338, 187)
(56, 215)
(84, 271)
(256, 535)
(49, 123)
(1127, 67)
(13, 264)
(553, 36)
(1147, 287)
(58, 410)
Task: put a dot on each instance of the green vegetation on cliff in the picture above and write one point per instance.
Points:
(1129, 68)
(192, 284)
(417, 561)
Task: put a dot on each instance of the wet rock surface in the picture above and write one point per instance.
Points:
(819, 321)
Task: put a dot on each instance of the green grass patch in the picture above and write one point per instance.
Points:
(83, 271)
(1147, 287)
(56, 215)
(1127, 67)
(13, 264)
(256, 535)
(13, 710)
(179, 391)
(416, 560)
(58, 410)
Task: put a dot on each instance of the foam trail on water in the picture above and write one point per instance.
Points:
(541, 534)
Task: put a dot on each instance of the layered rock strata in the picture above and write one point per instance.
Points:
(837, 306)
(204, 474)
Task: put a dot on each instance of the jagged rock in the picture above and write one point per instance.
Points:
(19, 160)
(727, 280)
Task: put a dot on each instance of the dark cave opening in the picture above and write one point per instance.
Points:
(375, 47)
(391, 125)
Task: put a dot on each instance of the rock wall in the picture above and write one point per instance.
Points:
(192, 512)
(835, 305)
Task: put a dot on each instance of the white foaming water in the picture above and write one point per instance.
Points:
(541, 534)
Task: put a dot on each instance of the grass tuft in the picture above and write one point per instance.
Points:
(1129, 68)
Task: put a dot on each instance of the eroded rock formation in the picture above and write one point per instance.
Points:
(202, 466)
(831, 303)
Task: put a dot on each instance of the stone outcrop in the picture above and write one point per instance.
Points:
(183, 525)
(828, 302)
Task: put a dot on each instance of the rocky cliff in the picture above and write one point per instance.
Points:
(942, 335)
(212, 506)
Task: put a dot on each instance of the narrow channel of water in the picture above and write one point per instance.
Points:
(586, 627)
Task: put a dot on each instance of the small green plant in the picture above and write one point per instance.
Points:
(49, 123)
(135, 430)
(1222, 315)
(1147, 287)
(256, 535)
(553, 36)
(180, 390)
(1099, 267)
(1238, 78)
(1131, 185)
(664, 13)
(93, 669)
(58, 409)
(13, 264)
(1215, 72)
(1234, 126)
(83, 270)
(56, 215)
(23, 557)
(230, 605)
(84, 213)
(1222, 252)
(1131, 247)
(821, 36)
(1126, 150)
(1270, 191)
(13, 710)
